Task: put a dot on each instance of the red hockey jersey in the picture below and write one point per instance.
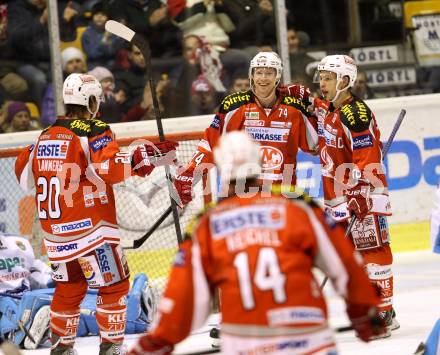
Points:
(73, 165)
(280, 130)
(349, 141)
(260, 252)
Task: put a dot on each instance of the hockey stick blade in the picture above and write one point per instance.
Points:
(384, 153)
(129, 35)
(120, 30)
(138, 242)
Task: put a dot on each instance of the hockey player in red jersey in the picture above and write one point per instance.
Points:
(73, 165)
(354, 180)
(259, 252)
(280, 124)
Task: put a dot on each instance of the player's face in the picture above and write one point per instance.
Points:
(327, 84)
(264, 81)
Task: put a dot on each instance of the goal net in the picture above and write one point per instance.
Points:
(138, 206)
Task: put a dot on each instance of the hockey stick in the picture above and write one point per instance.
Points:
(129, 35)
(384, 153)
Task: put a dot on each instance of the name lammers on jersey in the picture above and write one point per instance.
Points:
(52, 149)
(50, 165)
(267, 134)
(267, 217)
(73, 226)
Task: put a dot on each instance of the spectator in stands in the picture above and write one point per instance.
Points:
(299, 59)
(131, 75)
(28, 31)
(110, 110)
(12, 85)
(361, 88)
(202, 97)
(72, 61)
(239, 83)
(100, 45)
(183, 75)
(144, 110)
(149, 18)
(209, 19)
(254, 22)
(18, 118)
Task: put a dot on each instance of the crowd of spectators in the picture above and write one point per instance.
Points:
(200, 51)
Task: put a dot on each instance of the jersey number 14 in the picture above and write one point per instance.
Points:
(268, 276)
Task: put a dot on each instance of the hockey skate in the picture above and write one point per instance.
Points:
(214, 334)
(112, 349)
(420, 349)
(58, 349)
(38, 329)
(391, 323)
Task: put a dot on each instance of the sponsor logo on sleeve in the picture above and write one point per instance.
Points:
(100, 143)
(215, 122)
(52, 149)
(267, 217)
(89, 200)
(103, 197)
(268, 134)
(363, 141)
(73, 226)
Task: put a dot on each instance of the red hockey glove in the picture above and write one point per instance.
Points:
(145, 345)
(183, 184)
(359, 201)
(296, 90)
(366, 321)
(147, 156)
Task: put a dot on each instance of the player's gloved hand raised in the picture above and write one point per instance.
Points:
(183, 183)
(366, 321)
(359, 201)
(296, 90)
(147, 156)
(146, 345)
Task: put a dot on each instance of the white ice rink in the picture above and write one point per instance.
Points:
(417, 303)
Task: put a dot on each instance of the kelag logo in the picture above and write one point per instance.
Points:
(401, 177)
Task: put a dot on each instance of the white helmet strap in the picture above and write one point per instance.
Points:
(339, 91)
(89, 108)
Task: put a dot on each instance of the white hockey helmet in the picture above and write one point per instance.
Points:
(237, 157)
(79, 88)
(342, 65)
(266, 60)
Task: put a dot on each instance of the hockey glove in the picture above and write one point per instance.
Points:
(147, 156)
(366, 321)
(296, 90)
(145, 345)
(359, 201)
(183, 183)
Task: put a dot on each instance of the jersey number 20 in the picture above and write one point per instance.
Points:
(268, 276)
(50, 191)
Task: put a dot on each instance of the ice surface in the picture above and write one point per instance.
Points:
(417, 303)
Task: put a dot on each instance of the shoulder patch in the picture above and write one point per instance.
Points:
(98, 127)
(83, 127)
(356, 115)
(234, 101)
(296, 103)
